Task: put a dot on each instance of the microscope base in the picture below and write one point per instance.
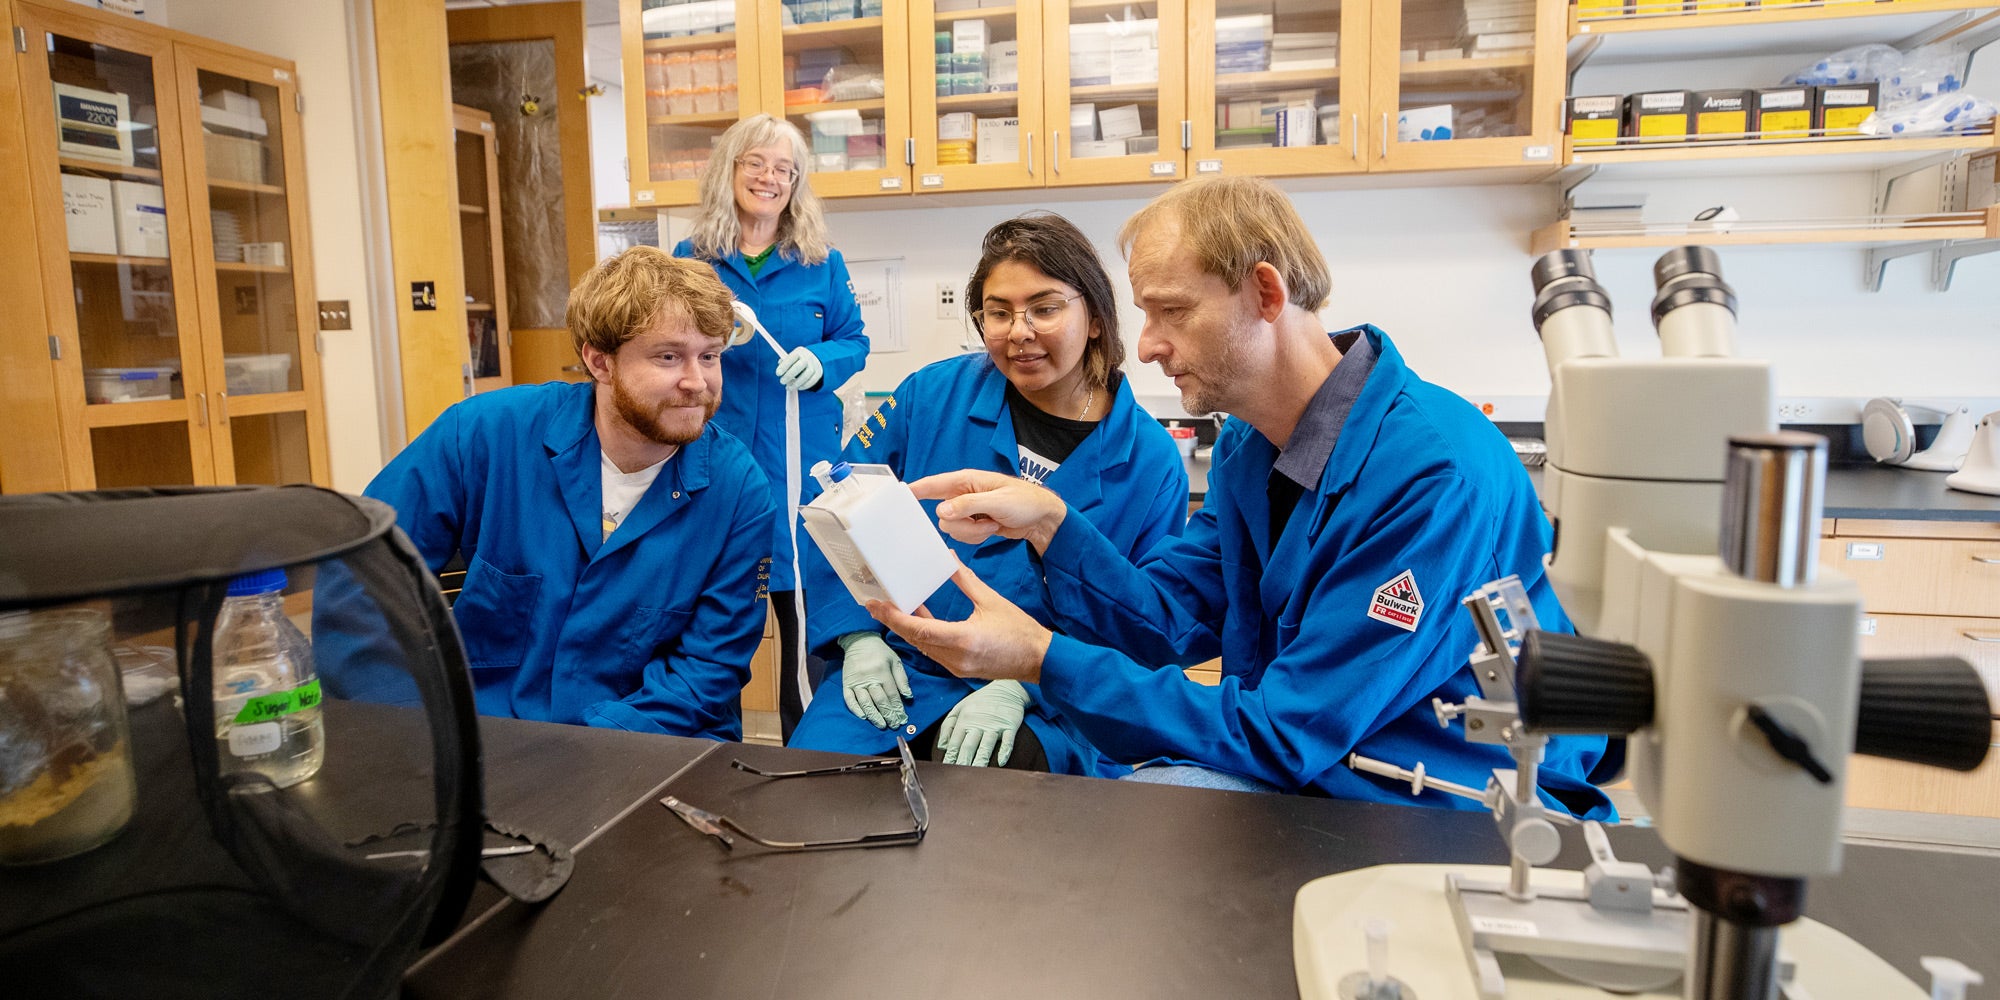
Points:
(1629, 952)
(1427, 952)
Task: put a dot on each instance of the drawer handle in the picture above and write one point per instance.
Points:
(1981, 636)
(1988, 560)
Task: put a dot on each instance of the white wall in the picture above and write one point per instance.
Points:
(1445, 272)
(314, 34)
(608, 186)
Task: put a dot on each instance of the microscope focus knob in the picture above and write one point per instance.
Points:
(1927, 710)
(1574, 684)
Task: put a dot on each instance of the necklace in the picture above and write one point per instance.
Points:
(1088, 399)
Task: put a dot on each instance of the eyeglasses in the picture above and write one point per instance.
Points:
(757, 166)
(1041, 317)
(718, 826)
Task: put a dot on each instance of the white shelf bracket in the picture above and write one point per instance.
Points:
(1946, 262)
(1580, 53)
(1878, 258)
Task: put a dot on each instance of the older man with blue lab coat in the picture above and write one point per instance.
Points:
(613, 536)
(1350, 506)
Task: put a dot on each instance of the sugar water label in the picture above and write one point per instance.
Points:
(265, 707)
(255, 740)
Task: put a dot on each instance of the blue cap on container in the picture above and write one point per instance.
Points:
(261, 582)
(839, 472)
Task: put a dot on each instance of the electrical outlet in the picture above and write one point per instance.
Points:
(1794, 412)
(947, 300)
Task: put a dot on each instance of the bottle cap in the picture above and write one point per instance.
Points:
(840, 471)
(263, 581)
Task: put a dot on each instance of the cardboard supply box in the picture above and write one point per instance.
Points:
(142, 218)
(1601, 8)
(1425, 124)
(233, 158)
(93, 224)
(1982, 182)
(1594, 121)
(1843, 107)
(1660, 115)
(1783, 113)
(1722, 114)
(999, 140)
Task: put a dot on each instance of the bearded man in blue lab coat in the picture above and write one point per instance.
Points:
(1350, 506)
(612, 535)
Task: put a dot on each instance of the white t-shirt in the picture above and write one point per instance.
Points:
(622, 490)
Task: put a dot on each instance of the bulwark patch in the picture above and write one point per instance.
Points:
(1398, 602)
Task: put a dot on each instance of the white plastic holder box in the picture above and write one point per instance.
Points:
(129, 385)
(249, 374)
(870, 527)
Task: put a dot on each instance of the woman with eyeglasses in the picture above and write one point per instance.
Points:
(761, 228)
(1046, 402)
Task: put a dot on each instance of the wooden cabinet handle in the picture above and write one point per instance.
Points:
(1988, 560)
(1981, 636)
(1031, 154)
(1354, 137)
(1385, 135)
(201, 400)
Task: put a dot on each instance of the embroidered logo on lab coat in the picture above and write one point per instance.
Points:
(1398, 602)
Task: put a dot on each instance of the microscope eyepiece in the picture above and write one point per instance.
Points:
(1561, 264)
(1686, 276)
(1564, 278)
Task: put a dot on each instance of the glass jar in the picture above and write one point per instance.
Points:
(66, 779)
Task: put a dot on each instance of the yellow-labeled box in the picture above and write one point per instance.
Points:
(1843, 107)
(1594, 121)
(1783, 113)
(1660, 115)
(1722, 114)
(1587, 9)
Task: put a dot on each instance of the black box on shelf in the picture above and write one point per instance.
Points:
(1843, 107)
(1594, 121)
(1722, 114)
(1783, 112)
(1660, 115)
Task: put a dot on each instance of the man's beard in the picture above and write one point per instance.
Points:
(649, 425)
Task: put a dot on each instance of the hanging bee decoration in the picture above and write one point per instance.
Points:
(531, 105)
(586, 93)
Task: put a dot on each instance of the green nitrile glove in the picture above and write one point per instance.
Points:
(983, 722)
(871, 668)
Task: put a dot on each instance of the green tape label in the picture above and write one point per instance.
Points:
(265, 707)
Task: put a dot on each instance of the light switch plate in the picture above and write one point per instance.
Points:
(334, 315)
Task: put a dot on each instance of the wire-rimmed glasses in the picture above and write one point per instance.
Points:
(757, 166)
(1041, 317)
(719, 826)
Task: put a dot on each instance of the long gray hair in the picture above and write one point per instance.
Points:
(801, 227)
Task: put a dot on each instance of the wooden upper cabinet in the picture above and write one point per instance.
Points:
(840, 71)
(691, 70)
(976, 96)
(167, 184)
(1114, 91)
(1278, 89)
(1466, 83)
(488, 335)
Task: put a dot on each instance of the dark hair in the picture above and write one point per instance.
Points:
(1053, 245)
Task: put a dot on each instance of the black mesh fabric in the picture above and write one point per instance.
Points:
(224, 884)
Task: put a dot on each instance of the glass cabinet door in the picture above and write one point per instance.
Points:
(1285, 81)
(840, 71)
(690, 73)
(977, 101)
(102, 124)
(248, 223)
(1467, 83)
(1117, 90)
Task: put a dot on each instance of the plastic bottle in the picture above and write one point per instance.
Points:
(267, 711)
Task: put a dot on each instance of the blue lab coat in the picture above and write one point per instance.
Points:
(1418, 480)
(651, 630)
(1125, 478)
(811, 307)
